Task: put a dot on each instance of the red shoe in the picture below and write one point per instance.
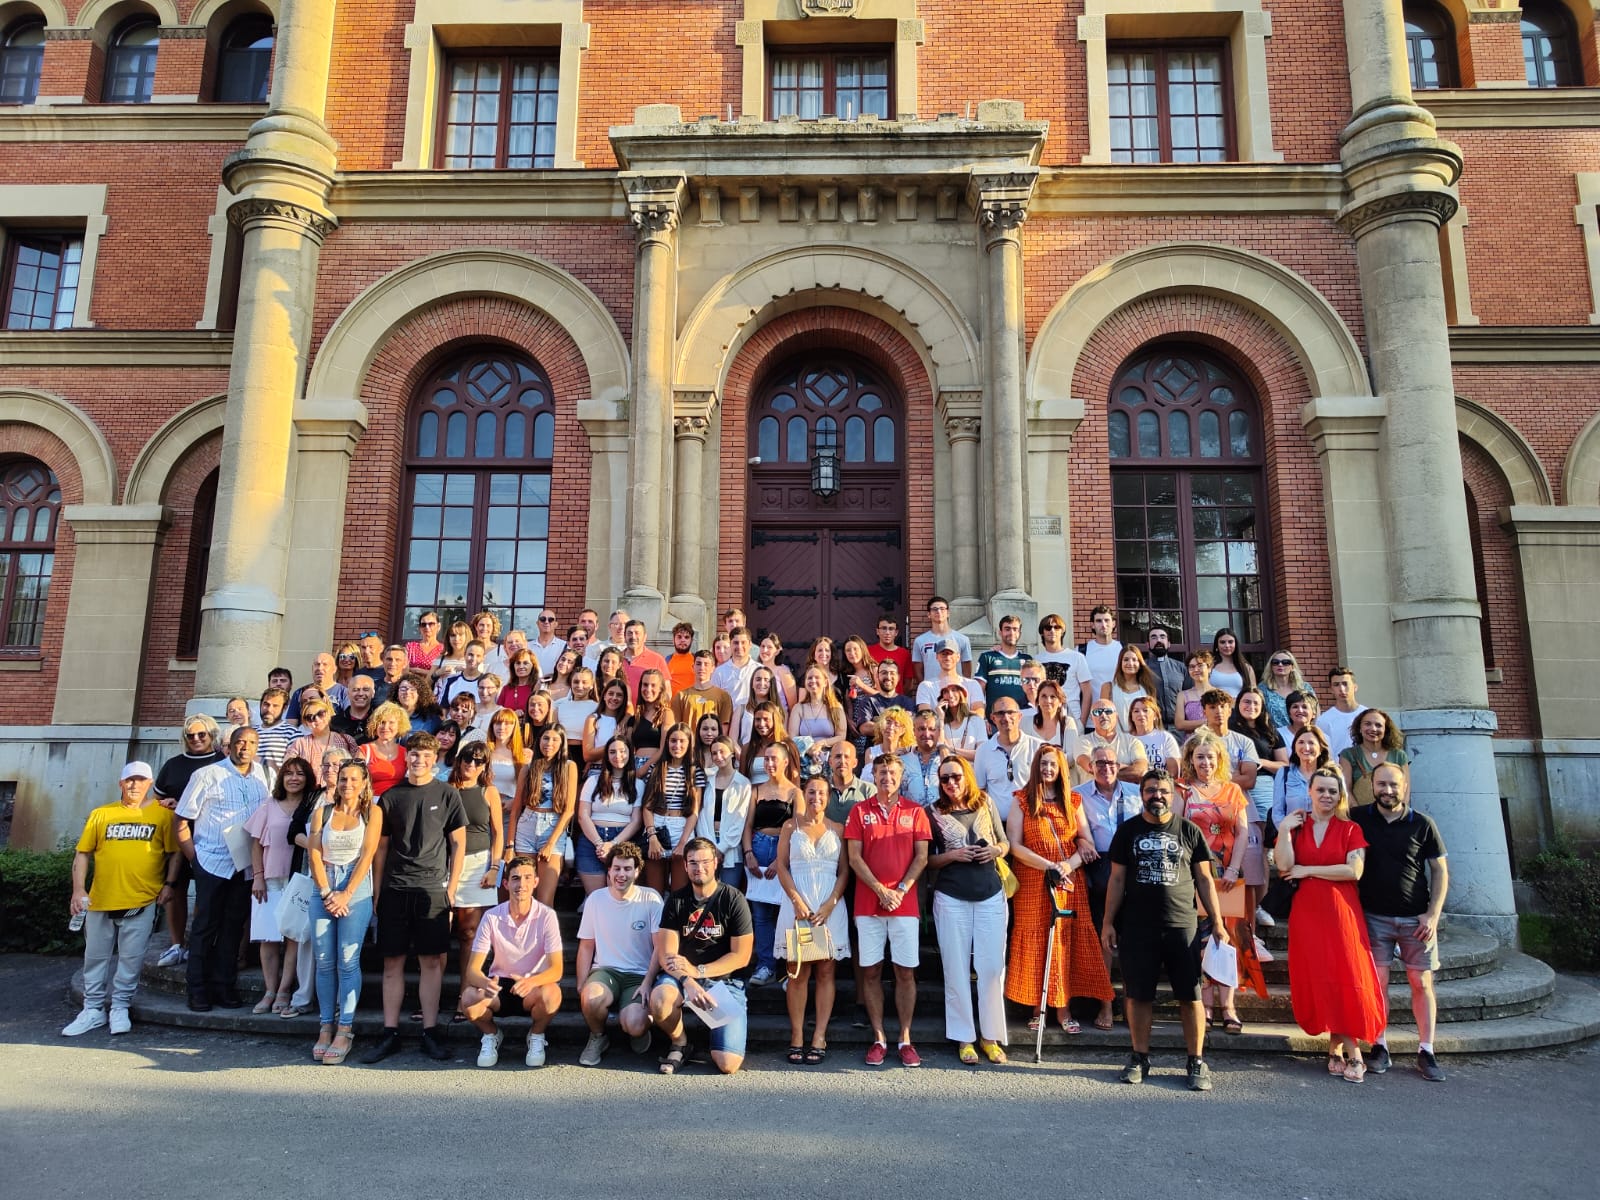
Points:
(876, 1053)
(909, 1056)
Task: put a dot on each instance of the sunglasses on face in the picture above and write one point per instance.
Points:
(547, 620)
(1102, 712)
(949, 779)
(1282, 662)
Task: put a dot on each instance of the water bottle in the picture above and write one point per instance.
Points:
(79, 916)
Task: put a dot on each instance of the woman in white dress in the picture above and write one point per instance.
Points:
(813, 871)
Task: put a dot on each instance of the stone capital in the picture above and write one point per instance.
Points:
(116, 524)
(1000, 200)
(655, 203)
(254, 212)
(694, 404)
(961, 412)
(690, 428)
(1344, 422)
(1436, 206)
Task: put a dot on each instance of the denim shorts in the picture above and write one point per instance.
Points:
(589, 861)
(730, 1037)
(1388, 933)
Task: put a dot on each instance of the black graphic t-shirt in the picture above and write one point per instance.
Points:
(706, 928)
(1159, 891)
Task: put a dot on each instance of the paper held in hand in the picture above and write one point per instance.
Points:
(1220, 961)
(715, 1014)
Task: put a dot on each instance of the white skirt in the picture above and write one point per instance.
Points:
(468, 893)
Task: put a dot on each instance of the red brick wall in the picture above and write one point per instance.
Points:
(162, 691)
(150, 272)
(372, 541)
(1547, 404)
(26, 697)
(1512, 698)
(1494, 54)
(359, 254)
(1296, 542)
(1058, 253)
(367, 83)
(827, 329)
(1525, 259)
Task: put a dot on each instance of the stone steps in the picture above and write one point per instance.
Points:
(1492, 1000)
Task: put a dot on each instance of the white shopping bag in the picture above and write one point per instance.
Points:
(1220, 961)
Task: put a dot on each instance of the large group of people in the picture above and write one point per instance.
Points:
(736, 820)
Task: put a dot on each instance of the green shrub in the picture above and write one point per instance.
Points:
(1570, 886)
(34, 890)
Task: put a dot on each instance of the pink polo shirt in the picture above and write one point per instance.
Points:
(515, 949)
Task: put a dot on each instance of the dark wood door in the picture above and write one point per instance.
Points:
(830, 565)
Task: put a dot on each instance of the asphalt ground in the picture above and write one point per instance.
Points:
(176, 1113)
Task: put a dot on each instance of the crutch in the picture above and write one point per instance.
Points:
(1057, 894)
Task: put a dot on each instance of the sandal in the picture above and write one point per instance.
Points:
(1232, 1025)
(797, 1055)
(1335, 1064)
(1070, 1025)
(1034, 1022)
(290, 1010)
(968, 1054)
(1103, 1021)
(281, 1008)
(337, 1053)
(816, 1055)
(994, 1052)
(1355, 1071)
(264, 1005)
(324, 1038)
(675, 1058)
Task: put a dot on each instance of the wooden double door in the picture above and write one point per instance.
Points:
(833, 565)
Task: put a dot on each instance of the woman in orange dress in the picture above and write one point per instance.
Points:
(1047, 832)
(1209, 797)
(1333, 983)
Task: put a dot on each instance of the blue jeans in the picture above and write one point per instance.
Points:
(338, 948)
(764, 914)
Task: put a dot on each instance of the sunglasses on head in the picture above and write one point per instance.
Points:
(369, 633)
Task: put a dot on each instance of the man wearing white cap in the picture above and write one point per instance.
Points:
(134, 847)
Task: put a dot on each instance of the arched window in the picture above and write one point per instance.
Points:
(841, 400)
(1549, 45)
(1430, 46)
(478, 460)
(131, 62)
(194, 575)
(244, 61)
(1188, 499)
(30, 503)
(21, 56)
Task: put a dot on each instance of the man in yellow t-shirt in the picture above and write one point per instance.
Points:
(134, 848)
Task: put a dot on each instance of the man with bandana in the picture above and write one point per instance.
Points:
(1158, 862)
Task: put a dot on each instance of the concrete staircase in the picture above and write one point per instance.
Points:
(1491, 999)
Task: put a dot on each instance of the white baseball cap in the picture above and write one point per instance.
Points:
(136, 770)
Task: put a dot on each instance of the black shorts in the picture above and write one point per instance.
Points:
(1145, 954)
(412, 922)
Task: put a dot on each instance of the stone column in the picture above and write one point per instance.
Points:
(1347, 432)
(282, 177)
(691, 426)
(605, 571)
(1398, 175)
(1559, 552)
(962, 428)
(1051, 426)
(655, 206)
(103, 645)
(1000, 201)
(324, 444)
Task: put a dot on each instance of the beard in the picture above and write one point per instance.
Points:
(1157, 808)
(1156, 652)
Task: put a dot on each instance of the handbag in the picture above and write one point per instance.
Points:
(803, 943)
(1009, 883)
(293, 913)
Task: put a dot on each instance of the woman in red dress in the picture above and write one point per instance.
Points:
(1333, 984)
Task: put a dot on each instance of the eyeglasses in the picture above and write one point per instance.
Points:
(1002, 713)
(1104, 762)
(427, 624)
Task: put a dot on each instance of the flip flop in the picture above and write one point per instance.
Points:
(1104, 1021)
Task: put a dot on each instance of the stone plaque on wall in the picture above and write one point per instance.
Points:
(1044, 526)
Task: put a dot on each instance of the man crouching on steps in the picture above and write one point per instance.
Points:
(523, 939)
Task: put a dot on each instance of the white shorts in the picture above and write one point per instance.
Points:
(901, 934)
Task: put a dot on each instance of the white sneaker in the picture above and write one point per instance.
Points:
(89, 1018)
(1263, 954)
(489, 1048)
(1264, 919)
(120, 1021)
(762, 977)
(172, 956)
(535, 1056)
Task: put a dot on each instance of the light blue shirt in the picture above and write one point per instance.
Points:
(1105, 814)
(217, 800)
(918, 782)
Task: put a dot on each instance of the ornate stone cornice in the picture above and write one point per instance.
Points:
(1000, 200)
(693, 404)
(244, 213)
(655, 203)
(1493, 16)
(1435, 206)
(828, 8)
(182, 33)
(73, 34)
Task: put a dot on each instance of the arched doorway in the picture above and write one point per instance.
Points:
(1189, 500)
(819, 564)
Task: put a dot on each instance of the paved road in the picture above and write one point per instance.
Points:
(165, 1113)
